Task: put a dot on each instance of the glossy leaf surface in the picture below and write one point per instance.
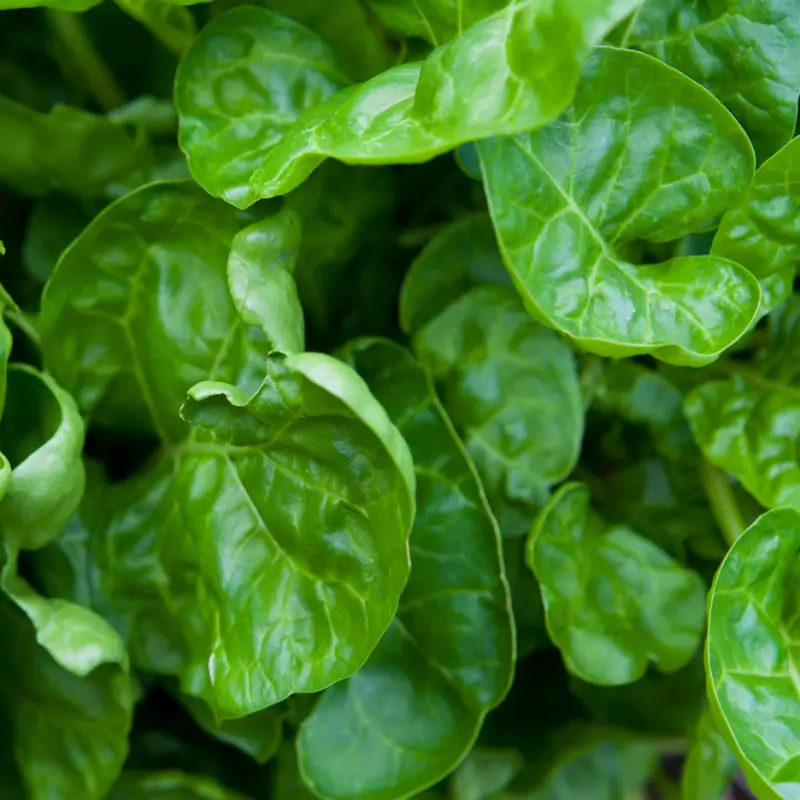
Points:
(247, 77)
(408, 716)
(676, 158)
(138, 309)
(511, 389)
(744, 51)
(750, 652)
(613, 600)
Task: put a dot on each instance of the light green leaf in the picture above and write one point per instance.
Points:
(267, 553)
(511, 388)
(260, 267)
(525, 76)
(359, 44)
(747, 52)
(111, 334)
(70, 732)
(170, 785)
(650, 157)
(761, 230)
(613, 600)
(246, 78)
(751, 652)
(748, 425)
(149, 113)
(463, 256)
(68, 150)
(710, 765)
(172, 24)
(406, 718)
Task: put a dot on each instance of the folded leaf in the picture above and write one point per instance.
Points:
(511, 389)
(138, 310)
(409, 715)
(170, 786)
(68, 150)
(652, 157)
(246, 78)
(750, 653)
(267, 553)
(748, 425)
(744, 51)
(613, 600)
(761, 230)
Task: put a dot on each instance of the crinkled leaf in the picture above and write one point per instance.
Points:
(246, 78)
(170, 785)
(111, 331)
(172, 24)
(709, 766)
(266, 555)
(748, 425)
(751, 653)
(650, 157)
(260, 267)
(511, 389)
(747, 52)
(464, 255)
(761, 230)
(513, 71)
(68, 150)
(70, 731)
(409, 715)
(613, 600)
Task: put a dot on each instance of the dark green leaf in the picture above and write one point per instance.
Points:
(651, 157)
(170, 786)
(171, 23)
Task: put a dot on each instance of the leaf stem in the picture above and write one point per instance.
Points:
(722, 501)
(97, 77)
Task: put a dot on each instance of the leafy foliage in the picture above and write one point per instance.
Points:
(399, 398)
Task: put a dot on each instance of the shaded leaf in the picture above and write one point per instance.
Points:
(170, 786)
(172, 24)
(710, 765)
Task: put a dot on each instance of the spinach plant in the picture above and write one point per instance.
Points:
(399, 398)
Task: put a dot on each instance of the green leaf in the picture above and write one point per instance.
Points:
(613, 600)
(760, 231)
(511, 388)
(246, 78)
(748, 425)
(227, 562)
(70, 731)
(172, 24)
(652, 157)
(260, 267)
(750, 653)
(61, 5)
(171, 785)
(68, 150)
(112, 334)
(710, 765)
(463, 256)
(406, 718)
(744, 51)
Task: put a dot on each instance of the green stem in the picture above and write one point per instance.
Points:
(97, 77)
(723, 503)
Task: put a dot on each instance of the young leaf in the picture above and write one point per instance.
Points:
(410, 714)
(68, 150)
(744, 51)
(760, 231)
(260, 267)
(246, 78)
(171, 785)
(613, 600)
(138, 309)
(511, 389)
(652, 157)
(750, 652)
(710, 765)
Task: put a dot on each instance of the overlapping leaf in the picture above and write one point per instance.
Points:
(652, 157)
(613, 600)
(410, 714)
(751, 653)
